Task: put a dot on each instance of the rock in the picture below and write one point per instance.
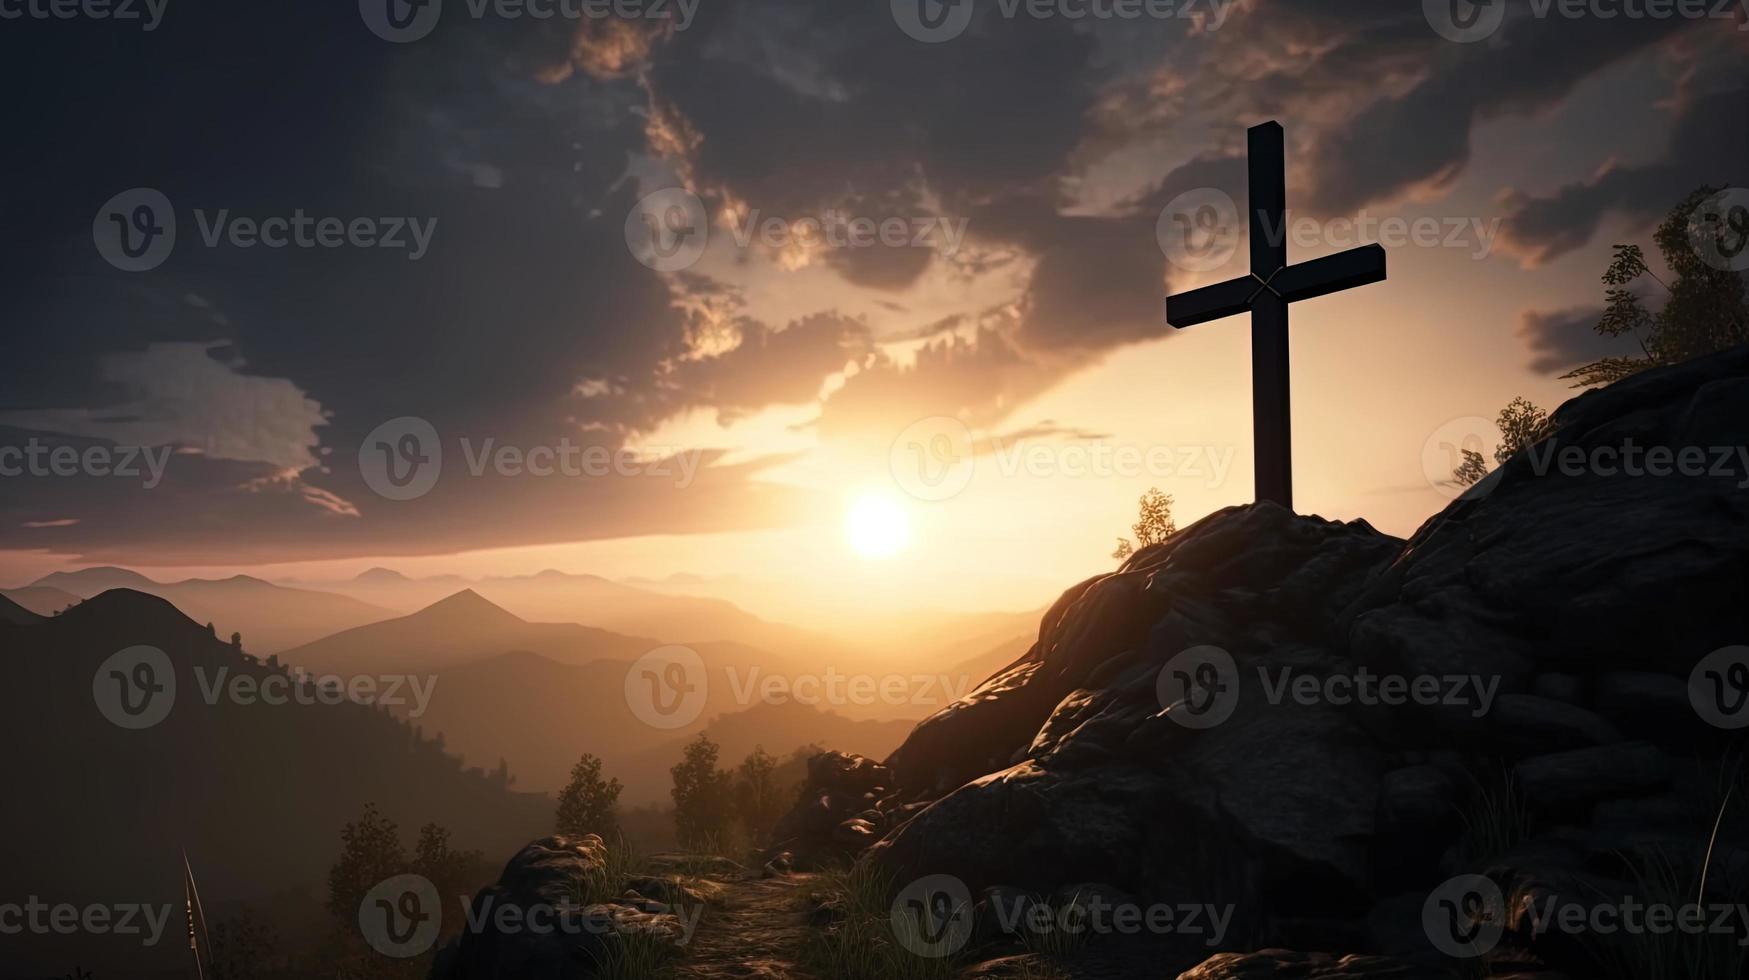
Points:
(1281, 964)
(542, 883)
(1578, 601)
(1581, 777)
(1559, 687)
(674, 890)
(1651, 705)
(1417, 798)
(780, 864)
(1542, 723)
(838, 815)
(856, 832)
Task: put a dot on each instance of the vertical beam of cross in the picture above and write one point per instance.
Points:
(1266, 293)
(1271, 404)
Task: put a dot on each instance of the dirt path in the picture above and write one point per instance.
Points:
(755, 931)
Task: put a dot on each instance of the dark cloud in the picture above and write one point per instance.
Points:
(1709, 145)
(529, 321)
(1561, 340)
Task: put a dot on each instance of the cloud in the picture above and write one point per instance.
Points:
(1708, 145)
(1560, 340)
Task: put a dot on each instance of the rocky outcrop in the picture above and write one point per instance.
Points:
(538, 922)
(1317, 723)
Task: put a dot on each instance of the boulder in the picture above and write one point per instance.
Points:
(544, 883)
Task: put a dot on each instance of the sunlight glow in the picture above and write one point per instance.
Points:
(877, 525)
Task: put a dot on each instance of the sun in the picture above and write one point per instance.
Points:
(877, 526)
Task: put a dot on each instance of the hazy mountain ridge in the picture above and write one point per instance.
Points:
(270, 617)
(256, 792)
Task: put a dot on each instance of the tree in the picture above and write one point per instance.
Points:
(758, 800)
(1521, 423)
(703, 808)
(586, 804)
(1705, 309)
(1154, 525)
(1471, 470)
(244, 948)
(453, 872)
(237, 642)
(370, 853)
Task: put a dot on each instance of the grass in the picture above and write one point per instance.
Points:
(1663, 879)
(637, 956)
(606, 882)
(1496, 819)
(861, 944)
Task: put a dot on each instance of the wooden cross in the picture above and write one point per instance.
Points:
(1266, 293)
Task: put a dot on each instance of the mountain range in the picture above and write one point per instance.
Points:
(270, 617)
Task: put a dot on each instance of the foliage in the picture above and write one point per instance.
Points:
(759, 800)
(1153, 525)
(703, 802)
(370, 852)
(1471, 471)
(1705, 308)
(453, 872)
(586, 804)
(244, 948)
(860, 944)
(1521, 424)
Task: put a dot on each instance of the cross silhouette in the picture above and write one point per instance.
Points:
(1266, 293)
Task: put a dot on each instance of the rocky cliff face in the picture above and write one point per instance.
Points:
(1320, 726)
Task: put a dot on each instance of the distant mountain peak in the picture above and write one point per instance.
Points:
(98, 578)
(380, 574)
(470, 605)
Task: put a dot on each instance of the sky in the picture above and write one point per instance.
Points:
(814, 306)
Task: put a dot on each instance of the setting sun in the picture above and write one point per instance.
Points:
(877, 525)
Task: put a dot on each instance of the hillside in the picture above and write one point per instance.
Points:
(1554, 720)
(44, 600)
(460, 628)
(270, 617)
(256, 791)
(559, 597)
